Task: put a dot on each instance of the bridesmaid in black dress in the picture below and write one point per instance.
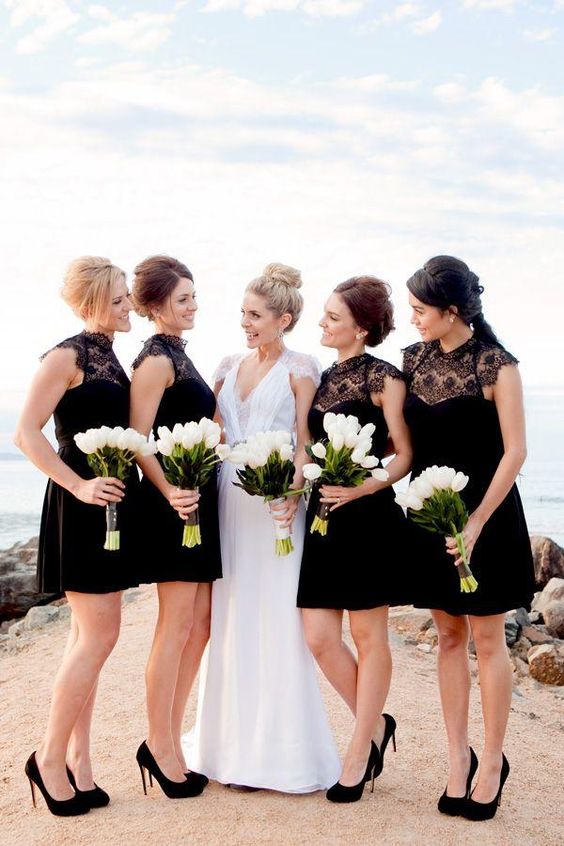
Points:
(167, 389)
(83, 385)
(465, 410)
(347, 569)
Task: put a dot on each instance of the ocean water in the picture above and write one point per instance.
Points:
(541, 482)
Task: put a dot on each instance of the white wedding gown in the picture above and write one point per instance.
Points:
(261, 720)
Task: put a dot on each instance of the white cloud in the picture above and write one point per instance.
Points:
(142, 31)
(450, 92)
(332, 8)
(311, 8)
(492, 4)
(537, 116)
(56, 17)
(538, 34)
(376, 83)
(401, 12)
(427, 25)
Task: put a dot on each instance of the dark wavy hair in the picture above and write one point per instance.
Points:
(446, 281)
(155, 278)
(368, 300)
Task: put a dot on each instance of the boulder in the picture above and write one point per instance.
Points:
(18, 590)
(512, 630)
(536, 634)
(554, 618)
(548, 558)
(546, 663)
(40, 616)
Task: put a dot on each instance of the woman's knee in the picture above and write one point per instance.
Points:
(489, 641)
(453, 636)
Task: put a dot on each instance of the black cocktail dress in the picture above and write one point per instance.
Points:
(356, 565)
(72, 535)
(453, 424)
(163, 558)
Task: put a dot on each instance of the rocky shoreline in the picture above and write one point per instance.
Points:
(535, 639)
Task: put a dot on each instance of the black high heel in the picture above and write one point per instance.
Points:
(95, 798)
(341, 793)
(479, 811)
(172, 789)
(389, 732)
(73, 807)
(453, 805)
(197, 778)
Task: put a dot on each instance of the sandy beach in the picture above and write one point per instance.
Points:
(402, 809)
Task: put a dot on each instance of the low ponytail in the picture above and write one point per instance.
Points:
(483, 331)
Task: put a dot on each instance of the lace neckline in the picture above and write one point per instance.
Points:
(171, 340)
(461, 349)
(99, 338)
(349, 363)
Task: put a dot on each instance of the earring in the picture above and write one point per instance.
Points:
(359, 336)
(451, 318)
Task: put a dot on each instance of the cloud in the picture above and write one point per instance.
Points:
(311, 8)
(56, 17)
(538, 34)
(427, 25)
(492, 4)
(142, 31)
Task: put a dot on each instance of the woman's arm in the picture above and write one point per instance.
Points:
(391, 400)
(148, 385)
(508, 397)
(58, 372)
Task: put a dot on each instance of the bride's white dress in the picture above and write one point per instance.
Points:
(261, 720)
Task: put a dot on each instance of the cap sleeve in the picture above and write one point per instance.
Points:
(75, 343)
(302, 366)
(489, 362)
(150, 347)
(378, 371)
(225, 365)
(411, 358)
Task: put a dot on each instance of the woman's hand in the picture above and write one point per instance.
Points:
(184, 502)
(99, 491)
(337, 496)
(470, 534)
(285, 512)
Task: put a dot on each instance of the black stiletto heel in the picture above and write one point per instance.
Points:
(453, 805)
(479, 811)
(171, 789)
(340, 793)
(197, 778)
(95, 798)
(389, 733)
(72, 807)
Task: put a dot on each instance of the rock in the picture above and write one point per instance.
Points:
(512, 630)
(18, 590)
(424, 647)
(536, 634)
(64, 612)
(522, 617)
(428, 635)
(16, 629)
(520, 667)
(521, 648)
(40, 616)
(546, 663)
(410, 621)
(548, 558)
(554, 617)
(535, 617)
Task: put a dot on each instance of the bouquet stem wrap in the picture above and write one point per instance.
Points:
(321, 519)
(112, 531)
(283, 545)
(191, 535)
(468, 583)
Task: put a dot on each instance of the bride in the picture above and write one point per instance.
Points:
(261, 721)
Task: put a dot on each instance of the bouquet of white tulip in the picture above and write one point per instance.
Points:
(341, 459)
(268, 459)
(111, 452)
(435, 504)
(190, 453)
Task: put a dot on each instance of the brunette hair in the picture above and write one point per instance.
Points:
(87, 286)
(446, 281)
(279, 284)
(368, 300)
(155, 278)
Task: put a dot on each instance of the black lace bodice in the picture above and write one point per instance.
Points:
(95, 357)
(172, 347)
(189, 397)
(353, 380)
(435, 376)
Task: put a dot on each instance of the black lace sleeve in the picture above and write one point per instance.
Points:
(489, 362)
(152, 347)
(378, 370)
(412, 357)
(75, 343)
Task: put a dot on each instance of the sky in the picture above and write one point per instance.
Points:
(338, 136)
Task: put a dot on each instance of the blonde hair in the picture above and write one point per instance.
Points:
(278, 285)
(87, 287)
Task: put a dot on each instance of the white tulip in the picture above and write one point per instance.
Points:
(380, 474)
(351, 438)
(85, 442)
(432, 475)
(147, 448)
(238, 454)
(459, 482)
(401, 498)
(319, 450)
(445, 477)
(338, 441)
(177, 432)
(280, 438)
(311, 472)
(114, 435)
(329, 420)
(213, 439)
(369, 461)
(422, 487)
(223, 451)
(164, 432)
(103, 433)
(193, 431)
(188, 440)
(367, 431)
(165, 446)
(286, 452)
(413, 501)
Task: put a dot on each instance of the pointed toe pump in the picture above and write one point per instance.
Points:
(453, 805)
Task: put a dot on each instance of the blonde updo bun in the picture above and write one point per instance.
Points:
(87, 287)
(278, 285)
